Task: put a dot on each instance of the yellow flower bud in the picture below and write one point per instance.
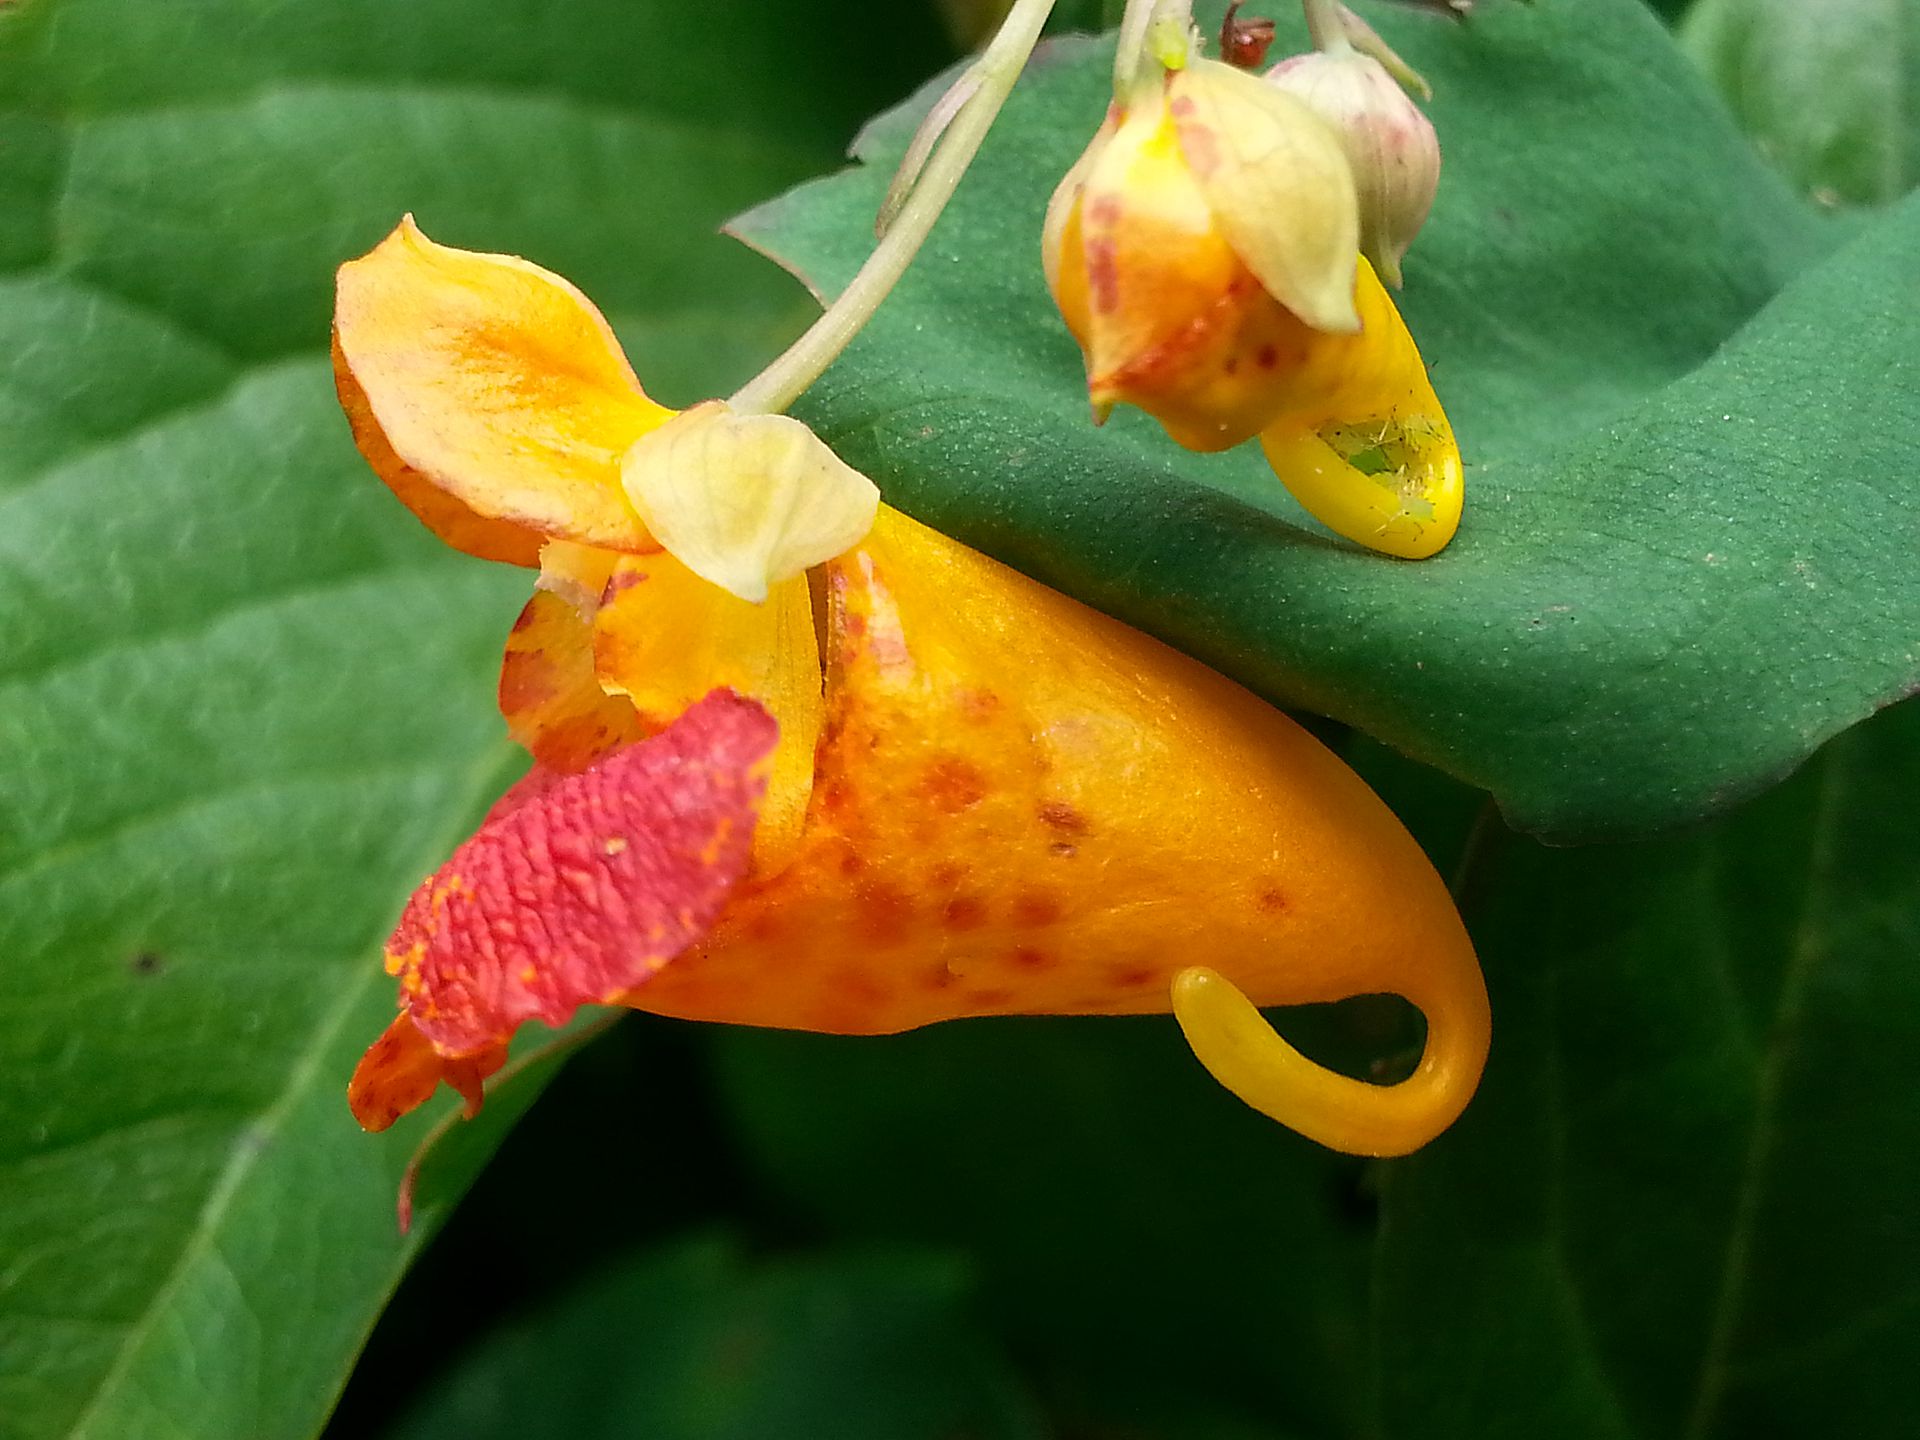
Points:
(1209, 232)
(1389, 142)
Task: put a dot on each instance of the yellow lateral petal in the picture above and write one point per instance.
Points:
(664, 638)
(496, 388)
(1279, 185)
(549, 694)
(1145, 279)
(746, 501)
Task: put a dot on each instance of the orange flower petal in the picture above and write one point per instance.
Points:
(490, 395)
(664, 637)
(401, 1070)
(589, 886)
(549, 694)
(1023, 806)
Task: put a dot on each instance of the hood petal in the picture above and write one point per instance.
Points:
(490, 395)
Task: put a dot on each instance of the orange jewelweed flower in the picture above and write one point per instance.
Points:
(1205, 254)
(860, 805)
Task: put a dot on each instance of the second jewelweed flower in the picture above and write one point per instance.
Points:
(1205, 252)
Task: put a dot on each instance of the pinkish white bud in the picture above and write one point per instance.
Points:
(1389, 143)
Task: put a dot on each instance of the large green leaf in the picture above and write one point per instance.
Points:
(1681, 566)
(1682, 1203)
(1829, 91)
(694, 1342)
(245, 702)
(1159, 1251)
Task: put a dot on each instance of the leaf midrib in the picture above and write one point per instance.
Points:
(1804, 958)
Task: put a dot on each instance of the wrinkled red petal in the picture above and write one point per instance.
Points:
(589, 885)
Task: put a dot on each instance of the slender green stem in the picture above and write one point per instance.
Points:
(1130, 51)
(1151, 31)
(782, 382)
(1326, 27)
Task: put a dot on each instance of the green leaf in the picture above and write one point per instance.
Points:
(695, 1342)
(245, 702)
(1681, 568)
(1156, 1249)
(1830, 92)
(1682, 1202)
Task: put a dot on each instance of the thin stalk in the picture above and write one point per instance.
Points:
(1128, 53)
(1143, 31)
(1326, 26)
(783, 382)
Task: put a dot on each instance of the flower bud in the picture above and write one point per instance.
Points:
(1389, 142)
(1207, 234)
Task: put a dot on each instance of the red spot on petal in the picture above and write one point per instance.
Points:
(1103, 274)
(1036, 908)
(964, 912)
(1063, 817)
(978, 705)
(885, 913)
(1198, 143)
(623, 578)
(952, 784)
(1027, 957)
(862, 988)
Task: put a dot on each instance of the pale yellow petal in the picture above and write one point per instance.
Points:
(747, 501)
(1279, 185)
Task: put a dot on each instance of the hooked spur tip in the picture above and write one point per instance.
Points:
(1234, 1042)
